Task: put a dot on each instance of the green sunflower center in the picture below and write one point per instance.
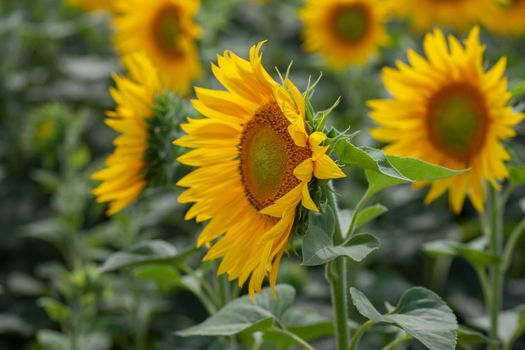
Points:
(166, 29)
(268, 157)
(457, 120)
(351, 22)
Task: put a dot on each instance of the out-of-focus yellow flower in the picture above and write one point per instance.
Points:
(166, 31)
(508, 18)
(124, 178)
(344, 31)
(425, 14)
(256, 158)
(446, 109)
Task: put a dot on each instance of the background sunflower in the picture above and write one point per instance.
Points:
(166, 31)
(448, 110)
(344, 31)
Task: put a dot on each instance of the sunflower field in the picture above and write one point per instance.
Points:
(262, 174)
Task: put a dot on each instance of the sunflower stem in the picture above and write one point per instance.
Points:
(495, 212)
(336, 274)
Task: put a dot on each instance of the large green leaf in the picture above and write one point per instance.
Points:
(383, 171)
(148, 252)
(420, 312)
(318, 246)
(242, 315)
(366, 158)
(474, 252)
(370, 213)
(305, 322)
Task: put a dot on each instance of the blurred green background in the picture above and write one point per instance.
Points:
(55, 70)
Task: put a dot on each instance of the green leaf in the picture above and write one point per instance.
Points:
(318, 247)
(12, 324)
(516, 174)
(242, 315)
(52, 340)
(56, 311)
(419, 170)
(511, 325)
(148, 252)
(370, 213)
(474, 251)
(165, 277)
(305, 322)
(470, 336)
(518, 88)
(366, 158)
(378, 181)
(420, 312)
(383, 171)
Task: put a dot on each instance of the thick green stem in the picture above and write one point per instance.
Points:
(496, 273)
(359, 333)
(224, 289)
(336, 273)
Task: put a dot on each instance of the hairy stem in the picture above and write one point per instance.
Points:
(336, 273)
(496, 273)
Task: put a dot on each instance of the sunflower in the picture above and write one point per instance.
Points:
(93, 5)
(446, 109)
(459, 14)
(344, 31)
(166, 31)
(508, 19)
(256, 158)
(124, 178)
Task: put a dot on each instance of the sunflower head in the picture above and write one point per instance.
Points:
(146, 117)
(344, 31)
(447, 109)
(166, 31)
(458, 14)
(507, 19)
(46, 130)
(256, 157)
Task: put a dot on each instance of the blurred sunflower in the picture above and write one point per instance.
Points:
(425, 14)
(166, 31)
(508, 18)
(256, 159)
(344, 31)
(93, 5)
(124, 177)
(446, 109)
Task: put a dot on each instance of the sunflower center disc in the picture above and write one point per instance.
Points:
(351, 22)
(268, 157)
(457, 121)
(166, 29)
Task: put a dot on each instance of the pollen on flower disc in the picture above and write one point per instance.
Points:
(268, 157)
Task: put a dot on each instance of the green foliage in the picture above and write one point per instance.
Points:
(369, 214)
(318, 246)
(142, 253)
(475, 252)
(420, 312)
(384, 171)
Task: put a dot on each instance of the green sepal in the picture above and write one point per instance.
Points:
(163, 128)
